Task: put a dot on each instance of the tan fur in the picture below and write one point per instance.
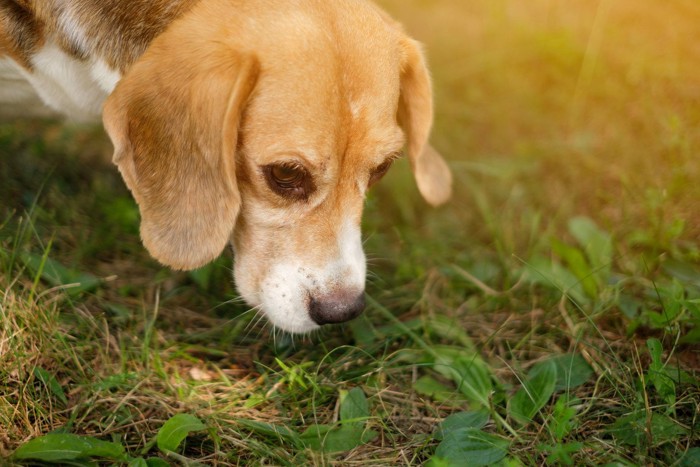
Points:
(174, 128)
(301, 109)
(117, 31)
(232, 86)
(415, 114)
(20, 34)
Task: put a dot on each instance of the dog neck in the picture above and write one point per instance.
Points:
(74, 52)
(116, 31)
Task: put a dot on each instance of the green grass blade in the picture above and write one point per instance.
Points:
(68, 447)
(176, 429)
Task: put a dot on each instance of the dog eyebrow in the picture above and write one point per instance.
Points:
(391, 155)
(305, 157)
(395, 155)
(392, 145)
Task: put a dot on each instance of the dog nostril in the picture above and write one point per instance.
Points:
(334, 309)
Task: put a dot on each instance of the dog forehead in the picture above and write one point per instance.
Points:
(322, 43)
(325, 102)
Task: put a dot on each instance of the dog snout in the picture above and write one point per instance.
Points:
(336, 308)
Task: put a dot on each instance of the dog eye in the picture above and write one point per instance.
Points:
(287, 176)
(289, 180)
(380, 171)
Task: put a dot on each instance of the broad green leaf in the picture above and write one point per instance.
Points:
(472, 447)
(511, 462)
(469, 373)
(572, 371)
(363, 332)
(314, 436)
(536, 391)
(630, 306)
(655, 352)
(663, 384)
(271, 430)
(50, 382)
(688, 273)
(578, 265)
(632, 429)
(430, 387)
(175, 430)
(150, 462)
(675, 302)
(354, 408)
(690, 458)
(679, 376)
(476, 380)
(461, 420)
(351, 433)
(551, 274)
(692, 336)
(157, 462)
(436, 461)
(450, 331)
(67, 447)
(597, 244)
(328, 439)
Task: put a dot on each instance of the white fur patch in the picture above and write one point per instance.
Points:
(352, 257)
(17, 97)
(105, 77)
(285, 293)
(72, 87)
(284, 298)
(75, 88)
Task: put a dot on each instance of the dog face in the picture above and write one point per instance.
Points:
(266, 129)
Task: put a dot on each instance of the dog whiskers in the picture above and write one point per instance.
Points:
(372, 275)
(376, 259)
(232, 301)
(254, 322)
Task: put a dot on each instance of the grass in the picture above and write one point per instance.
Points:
(549, 315)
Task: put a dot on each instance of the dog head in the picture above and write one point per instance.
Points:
(266, 128)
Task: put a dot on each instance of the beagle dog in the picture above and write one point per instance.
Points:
(259, 123)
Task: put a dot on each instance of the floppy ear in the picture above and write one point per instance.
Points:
(415, 115)
(173, 120)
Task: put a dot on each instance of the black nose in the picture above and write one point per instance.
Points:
(336, 308)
